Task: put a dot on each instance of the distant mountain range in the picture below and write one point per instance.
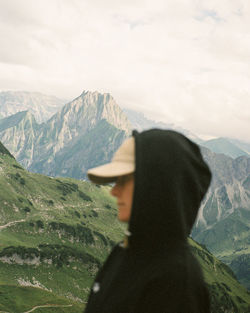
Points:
(56, 232)
(231, 147)
(40, 105)
(43, 107)
(140, 123)
(228, 146)
(85, 133)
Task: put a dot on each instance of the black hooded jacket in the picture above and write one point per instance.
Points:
(156, 272)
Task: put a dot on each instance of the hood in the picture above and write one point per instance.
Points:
(171, 179)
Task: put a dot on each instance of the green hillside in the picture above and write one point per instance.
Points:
(20, 299)
(227, 295)
(54, 235)
(229, 240)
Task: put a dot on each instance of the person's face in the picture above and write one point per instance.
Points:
(123, 191)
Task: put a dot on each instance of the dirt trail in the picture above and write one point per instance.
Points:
(10, 224)
(48, 306)
(45, 306)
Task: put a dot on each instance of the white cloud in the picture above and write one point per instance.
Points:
(187, 60)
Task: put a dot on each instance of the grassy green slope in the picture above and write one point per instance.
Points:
(14, 299)
(227, 295)
(55, 234)
(229, 240)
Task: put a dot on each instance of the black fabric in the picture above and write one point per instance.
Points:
(157, 273)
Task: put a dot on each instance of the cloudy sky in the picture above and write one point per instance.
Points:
(182, 61)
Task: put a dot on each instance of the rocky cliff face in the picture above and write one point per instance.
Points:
(85, 151)
(95, 106)
(229, 190)
(40, 105)
(82, 115)
(66, 144)
(223, 224)
(19, 132)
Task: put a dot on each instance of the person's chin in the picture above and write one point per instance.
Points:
(122, 218)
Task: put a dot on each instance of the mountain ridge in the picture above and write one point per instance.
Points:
(40, 105)
(225, 146)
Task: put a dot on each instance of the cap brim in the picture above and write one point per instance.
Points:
(108, 173)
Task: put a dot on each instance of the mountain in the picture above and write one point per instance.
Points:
(228, 146)
(86, 132)
(243, 145)
(223, 224)
(225, 146)
(140, 123)
(66, 144)
(85, 151)
(56, 232)
(40, 105)
(20, 131)
(229, 190)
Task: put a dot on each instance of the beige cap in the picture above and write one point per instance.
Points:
(123, 163)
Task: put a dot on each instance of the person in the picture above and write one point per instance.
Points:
(160, 180)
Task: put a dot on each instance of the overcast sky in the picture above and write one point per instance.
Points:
(183, 61)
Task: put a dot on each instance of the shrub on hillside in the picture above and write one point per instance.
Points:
(84, 196)
(40, 224)
(17, 166)
(77, 214)
(66, 188)
(79, 232)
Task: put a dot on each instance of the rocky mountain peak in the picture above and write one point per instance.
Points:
(82, 115)
(89, 108)
(95, 95)
(18, 133)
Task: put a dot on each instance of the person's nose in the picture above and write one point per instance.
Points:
(115, 190)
